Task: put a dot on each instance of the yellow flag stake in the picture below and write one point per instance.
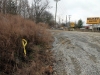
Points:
(24, 43)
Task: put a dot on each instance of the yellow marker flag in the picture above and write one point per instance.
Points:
(24, 43)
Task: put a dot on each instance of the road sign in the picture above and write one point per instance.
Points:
(93, 20)
(72, 24)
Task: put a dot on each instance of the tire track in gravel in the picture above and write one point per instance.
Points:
(76, 53)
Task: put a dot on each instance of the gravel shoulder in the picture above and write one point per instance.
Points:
(76, 53)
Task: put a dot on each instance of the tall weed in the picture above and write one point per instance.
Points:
(12, 30)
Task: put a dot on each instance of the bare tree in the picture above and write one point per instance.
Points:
(7, 6)
(47, 17)
(11, 7)
(23, 8)
(31, 12)
(0, 5)
(19, 7)
(4, 2)
(40, 6)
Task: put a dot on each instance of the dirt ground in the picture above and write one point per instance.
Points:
(76, 53)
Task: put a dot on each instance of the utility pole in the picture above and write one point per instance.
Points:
(56, 11)
(59, 20)
(69, 20)
(66, 20)
(62, 21)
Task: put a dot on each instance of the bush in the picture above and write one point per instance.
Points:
(12, 30)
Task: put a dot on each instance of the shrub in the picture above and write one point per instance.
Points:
(12, 30)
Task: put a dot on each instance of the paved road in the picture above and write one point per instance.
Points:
(76, 53)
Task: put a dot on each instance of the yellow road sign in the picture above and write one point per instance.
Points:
(93, 20)
(72, 24)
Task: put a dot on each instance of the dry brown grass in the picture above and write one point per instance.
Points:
(12, 30)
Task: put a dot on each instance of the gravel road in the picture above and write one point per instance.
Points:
(76, 53)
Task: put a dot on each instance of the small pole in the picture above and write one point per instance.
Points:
(66, 20)
(69, 21)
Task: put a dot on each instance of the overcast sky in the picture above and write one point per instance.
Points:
(78, 9)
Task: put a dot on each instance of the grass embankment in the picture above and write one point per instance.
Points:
(38, 59)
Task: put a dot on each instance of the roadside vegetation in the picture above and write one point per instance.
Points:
(20, 20)
(12, 58)
(36, 11)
